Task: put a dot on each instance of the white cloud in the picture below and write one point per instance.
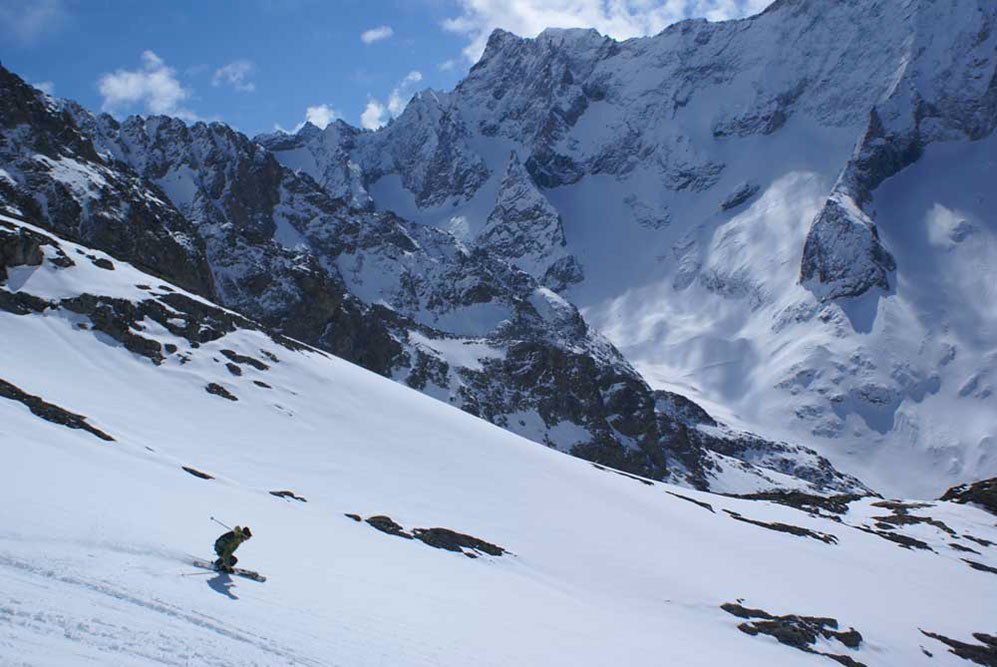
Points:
(377, 114)
(46, 87)
(620, 19)
(447, 65)
(319, 115)
(235, 74)
(374, 115)
(376, 34)
(26, 20)
(154, 86)
(400, 95)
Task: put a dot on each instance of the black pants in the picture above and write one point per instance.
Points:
(232, 560)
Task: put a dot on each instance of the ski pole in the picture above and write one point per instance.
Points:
(220, 523)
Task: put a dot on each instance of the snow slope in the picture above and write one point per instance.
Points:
(96, 535)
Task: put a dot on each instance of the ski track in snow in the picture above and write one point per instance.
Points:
(117, 621)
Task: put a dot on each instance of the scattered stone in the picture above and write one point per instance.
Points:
(982, 494)
(49, 411)
(355, 517)
(786, 528)
(900, 506)
(144, 287)
(386, 525)
(744, 612)
(800, 632)
(903, 540)
(984, 653)
(233, 369)
(809, 503)
(260, 383)
(197, 473)
(438, 538)
(444, 538)
(270, 355)
(21, 303)
(103, 263)
(692, 500)
(646, 482)
(904, 519)
(117, 318)
(979, 540)
(959, 547)
(218, 390)
(243, 359)
(980, 566)
(61, 260)
(886, 526)
(288, 494)
(170, 348)
(21, 248)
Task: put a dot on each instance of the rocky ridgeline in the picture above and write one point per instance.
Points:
(880, 67)
(52, 172)
(408, 301)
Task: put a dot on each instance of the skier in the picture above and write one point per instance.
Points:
(226, 545)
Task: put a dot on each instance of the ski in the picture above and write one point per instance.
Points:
(238, 571)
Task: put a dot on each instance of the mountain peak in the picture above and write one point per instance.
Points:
(308, 130)
(570, 34)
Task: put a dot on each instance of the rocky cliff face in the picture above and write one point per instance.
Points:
(472, 326)
(720, 190)
(50, 169)
(526, 230)
(945, 89)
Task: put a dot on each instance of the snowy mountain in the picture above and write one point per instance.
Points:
(396, 529)
(462, 323)
(788, 218)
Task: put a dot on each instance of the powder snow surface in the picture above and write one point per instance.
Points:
(96, 538)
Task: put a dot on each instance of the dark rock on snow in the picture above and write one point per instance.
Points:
(49, 411)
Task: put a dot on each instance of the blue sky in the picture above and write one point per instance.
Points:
(260, 64)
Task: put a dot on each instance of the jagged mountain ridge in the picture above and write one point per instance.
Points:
(408, 301)
(720, 189)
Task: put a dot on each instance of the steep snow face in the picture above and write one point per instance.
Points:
(717, 186)
(203, 413)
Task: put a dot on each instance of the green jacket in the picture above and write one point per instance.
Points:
(229, 542)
